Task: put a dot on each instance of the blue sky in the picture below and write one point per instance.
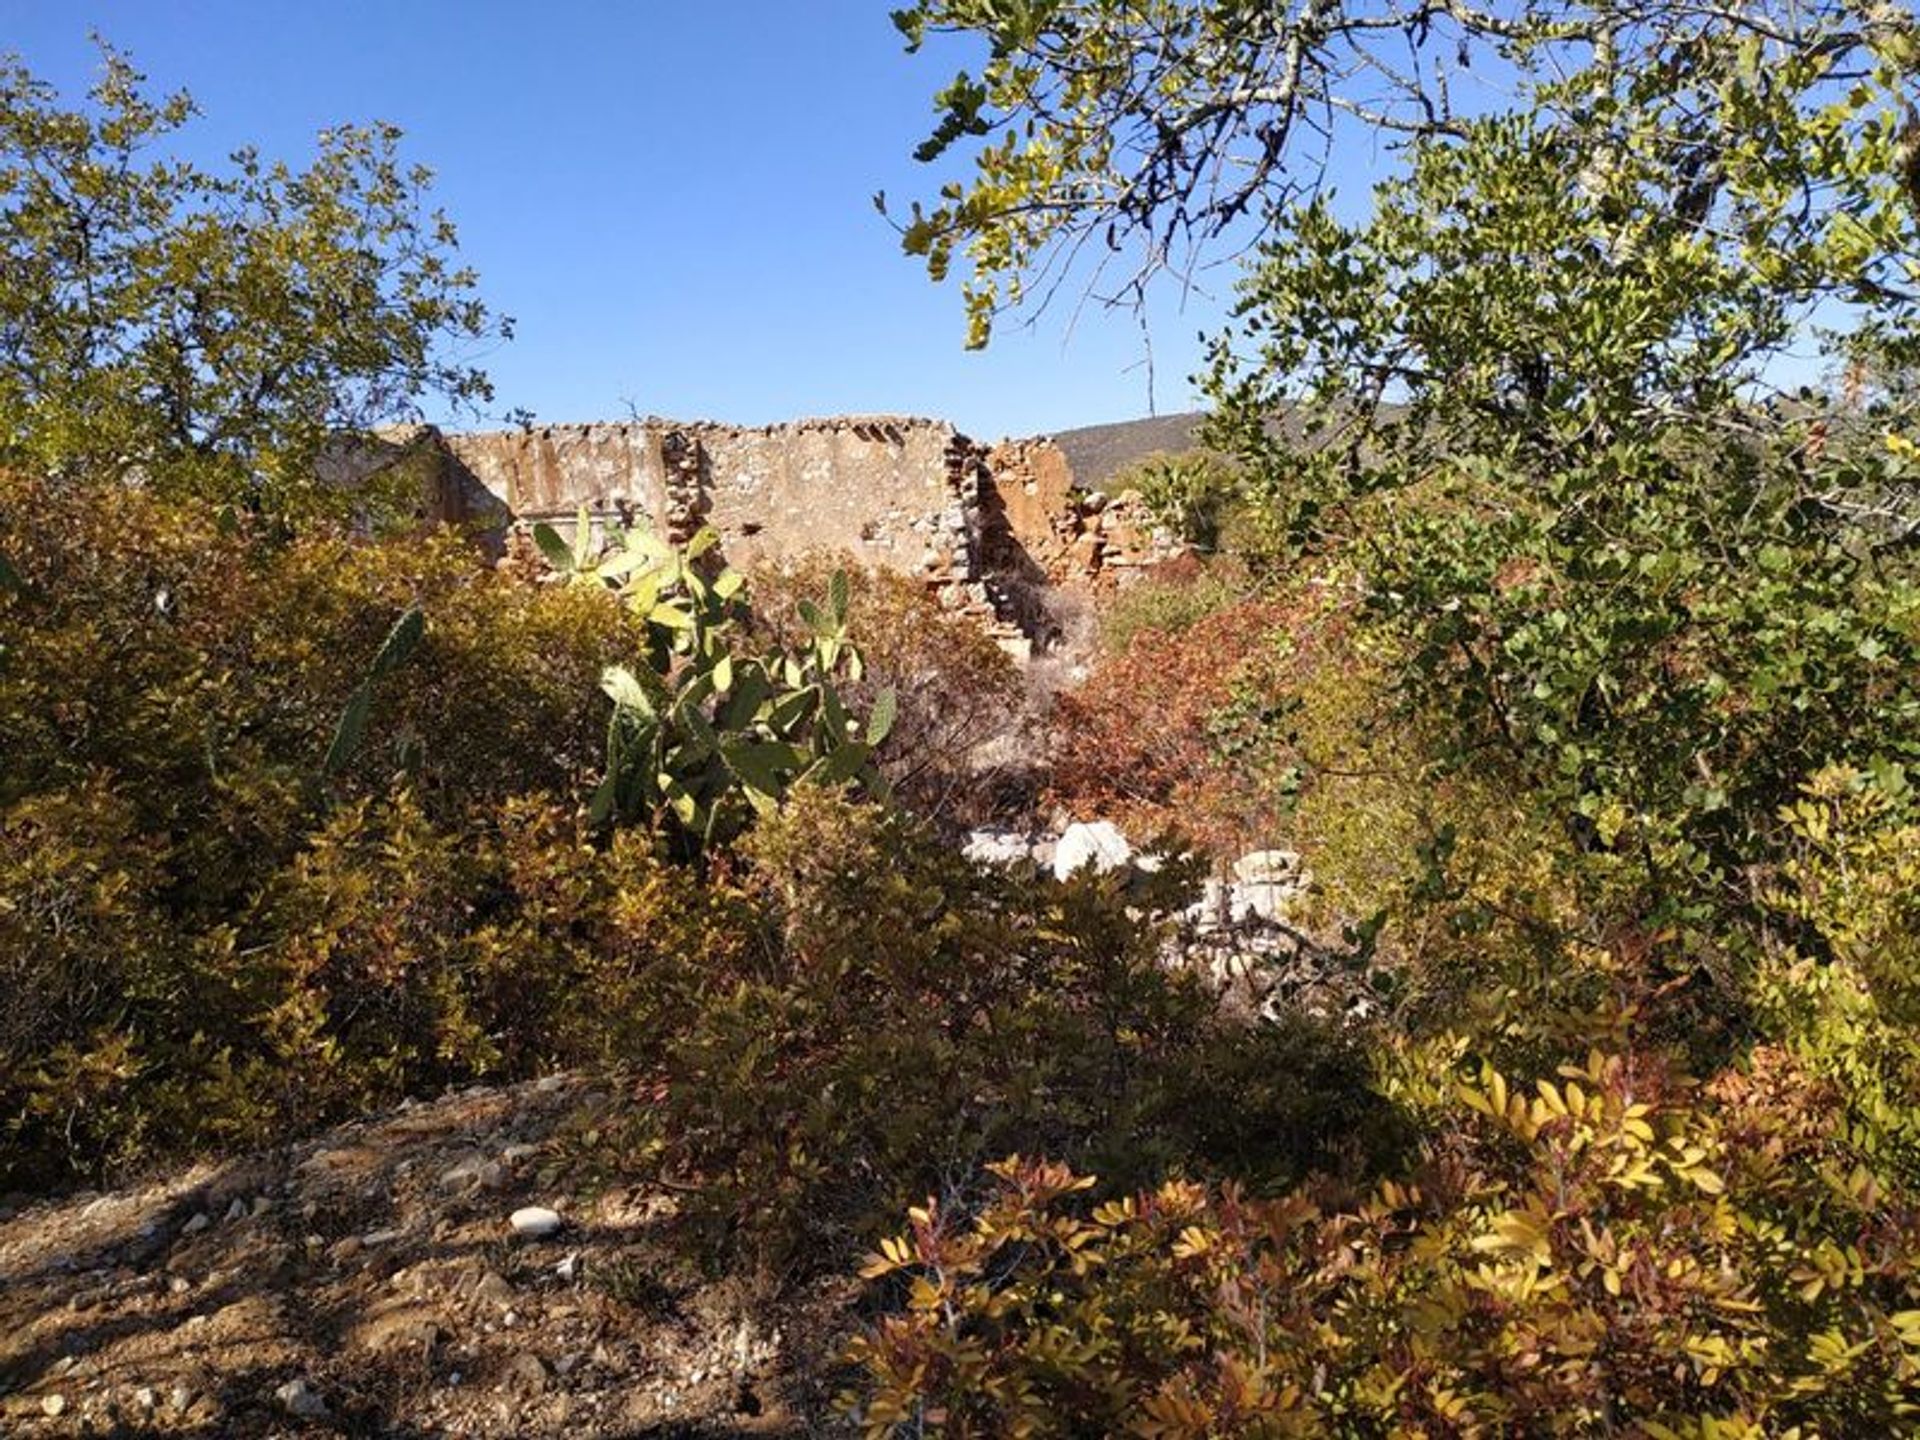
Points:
(672, 200)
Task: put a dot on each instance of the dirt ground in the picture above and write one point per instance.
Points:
(368, 1282)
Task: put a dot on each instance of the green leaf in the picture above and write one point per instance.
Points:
(626, 690)
(790, 709)
(841, 763)
(600, 809)
(582, 538)
(880, 720)
(557, 552)
(349, 732)
(399, 644)
(750, 691)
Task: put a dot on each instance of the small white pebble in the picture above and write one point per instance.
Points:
(536, 1222)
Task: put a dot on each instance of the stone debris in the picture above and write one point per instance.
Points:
(1098, 843)
(997, 847)
(301, 1400)
(1241, 931)
(475, 1172)
(526, 1374)
(536, 1222)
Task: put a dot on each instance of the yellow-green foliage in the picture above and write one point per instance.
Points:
(1192, 494)
(1595, 1253)
(1171, 598)
(904, 1015)
(1846, 997)
(203, 939)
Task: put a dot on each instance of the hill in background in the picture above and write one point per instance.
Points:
(1097, 453)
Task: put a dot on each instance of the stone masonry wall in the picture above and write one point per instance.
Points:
(985, 529)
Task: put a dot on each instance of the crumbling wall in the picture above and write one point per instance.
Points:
(987, 530)
(892, 492)
(1040, 522)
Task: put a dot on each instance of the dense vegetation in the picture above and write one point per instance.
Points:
(1582, 673)
(1579, 665)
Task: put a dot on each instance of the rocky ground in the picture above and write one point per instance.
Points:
(370, 1282)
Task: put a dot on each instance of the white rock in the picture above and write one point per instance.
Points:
(1210, 912)
(995, 847)
(1099, 844)
(1267, 867)
(237, 1210)
(199, 1222)
(54, 1405)
(1263, 901)
(476, 1172)
(536, 1222)
(146, 1397)
(301, 1400)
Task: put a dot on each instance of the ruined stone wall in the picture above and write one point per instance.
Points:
(1040, 520)
(988, 530)
(892, 492)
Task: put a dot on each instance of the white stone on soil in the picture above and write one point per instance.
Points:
(536, 1222)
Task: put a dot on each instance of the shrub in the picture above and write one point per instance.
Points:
(907, 1015)
(192, 914)
(1592, 1254)
(1191, 494)
(1170, 598)
(1844, 998)
(962, 715)
(1175, 733)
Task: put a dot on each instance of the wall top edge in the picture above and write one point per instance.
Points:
(721, 427)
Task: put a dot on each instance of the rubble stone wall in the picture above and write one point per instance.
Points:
(984, 528)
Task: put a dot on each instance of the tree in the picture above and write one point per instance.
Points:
(1150, 131)
(1633, 569)
(213, 330)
